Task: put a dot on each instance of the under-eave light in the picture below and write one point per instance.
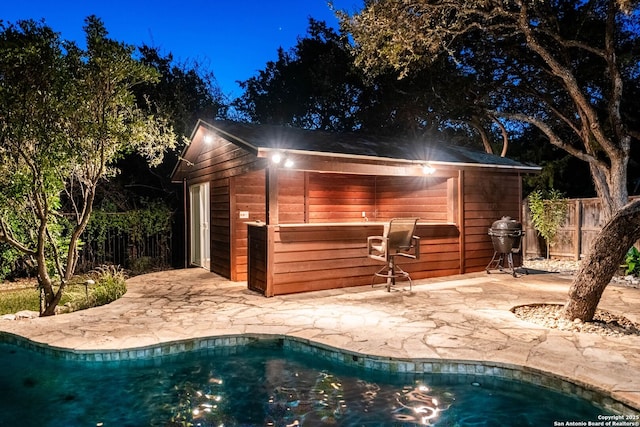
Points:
(279, 158)
(427, 169)
(208, 139)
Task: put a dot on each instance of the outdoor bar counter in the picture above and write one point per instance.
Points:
(290, 258)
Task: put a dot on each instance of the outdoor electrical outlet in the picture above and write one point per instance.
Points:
(364, 214)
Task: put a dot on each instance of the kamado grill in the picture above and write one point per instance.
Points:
(506, 235)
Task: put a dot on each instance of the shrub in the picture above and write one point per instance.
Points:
(142, 265)
(632, 261)
(548, 212)
(110, 285)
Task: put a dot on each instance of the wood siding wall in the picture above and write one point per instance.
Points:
(292, 187)
(486, 198)
(249, 196)
(315, 257)
(257, 265)
(343, 198)
(340, 198)
(307, 197)
(220, 228)
(218, 163)
(422, 197)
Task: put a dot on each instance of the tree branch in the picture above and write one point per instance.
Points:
(56, 255)
(7, 237)
(616, 79)
(553, 138)
(573, 88)
(575, 44)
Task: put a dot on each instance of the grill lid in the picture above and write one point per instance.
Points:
(506, 223)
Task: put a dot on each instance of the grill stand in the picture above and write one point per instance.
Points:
(497, 263)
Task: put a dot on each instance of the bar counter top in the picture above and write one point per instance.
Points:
(344, 224)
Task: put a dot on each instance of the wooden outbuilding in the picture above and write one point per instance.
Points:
(290, 210)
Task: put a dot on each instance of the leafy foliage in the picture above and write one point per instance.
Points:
(566, 69)
(185, 91)
(66, 116)
(314, 86)
(137, 225)
(632, 261)
(154, 218)
(548, 212)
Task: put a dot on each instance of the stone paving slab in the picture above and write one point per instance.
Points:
(462, 318)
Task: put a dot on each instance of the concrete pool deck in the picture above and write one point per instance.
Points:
(460, 318)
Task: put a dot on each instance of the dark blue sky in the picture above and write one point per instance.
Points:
(234, 39)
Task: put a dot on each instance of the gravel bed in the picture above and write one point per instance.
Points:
(569, 267)
(550, 315)
(552, 265)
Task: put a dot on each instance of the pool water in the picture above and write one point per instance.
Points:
(262, 384)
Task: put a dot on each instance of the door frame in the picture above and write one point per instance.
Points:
(199, 221)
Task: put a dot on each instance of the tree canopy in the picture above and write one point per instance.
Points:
(66, 115)
(317, 85)
(185, 92)
(569, 69)
(314, 86)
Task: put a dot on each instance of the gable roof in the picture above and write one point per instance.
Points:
(260, 139)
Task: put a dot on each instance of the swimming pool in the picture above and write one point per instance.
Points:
(263, 383)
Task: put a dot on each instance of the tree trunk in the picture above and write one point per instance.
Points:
(48, 298)
(605, 256)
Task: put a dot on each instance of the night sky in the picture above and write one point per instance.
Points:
(234, 39)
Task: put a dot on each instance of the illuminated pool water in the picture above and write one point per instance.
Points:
(262, 384)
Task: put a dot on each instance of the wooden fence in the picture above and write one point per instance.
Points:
(574, 237)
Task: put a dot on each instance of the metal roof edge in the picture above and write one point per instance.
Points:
(235, 138)
(485, 165)
(391, 159)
